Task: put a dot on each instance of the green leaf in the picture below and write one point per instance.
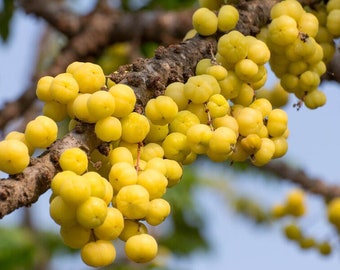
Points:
(6, 15)
(17, 249)
(186, 235)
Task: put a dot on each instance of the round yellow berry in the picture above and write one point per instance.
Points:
(99, 253)
(133, 201)
(90, 77)
(74, 159)
(14, 156)
(141, 248)
(41, 132)
(108, 129)
(64, 88)
(204, 21)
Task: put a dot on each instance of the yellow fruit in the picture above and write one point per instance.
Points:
(176, 146)
(183, 121)
(122, 174)
(308, 24)
(265, 153)
(292, 231)
(198, 138)
(41, 132)
(96, 183)
(108, 129)
(75, 190)
(249, 121)
(174, 172)
(74, 159)
(55, 110)
(75, 236)
(289, 8)
(90, 77)
(43, 88)
(125, 99)
(120, 154)
(158, 211)
(62, 213)
(58, 179)
(161, 110)
(92, 212)
(20, 136)
(101, 104)
(135, 127)
(154, 182)
(112, 226)
(175, 90)
(333, 212)
(198, 88)
(277, 122)
(278, 211)
(333, 21)
(131, 228)
(258, 51)
(79, 108)
(295, 203)
(283, 30)
(64, 88)
(141, 248)
(14, 156)
(152, 150)
(133, 201)
(204, 21)
(233, 46)
(246, 69)
(99, 253)
(227, 18)
(73, 66)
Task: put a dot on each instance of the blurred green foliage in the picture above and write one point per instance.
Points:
(6, 15)
(186, 236)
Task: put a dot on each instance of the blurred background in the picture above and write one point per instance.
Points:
(220, 213)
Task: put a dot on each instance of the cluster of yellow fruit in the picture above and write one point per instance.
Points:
(92, 211)
(298, 48)
(294, 233)
(294, 205)
(296, 56)
(207, 124)
(328, 17)
(96, 203)
(250, 128)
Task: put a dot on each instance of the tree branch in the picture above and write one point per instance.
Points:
(300, 177)
(98, 31)
(55, 13)
(25, 188)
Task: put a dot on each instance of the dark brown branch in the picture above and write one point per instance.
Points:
(55, 13)
(97, 35)
(149, 77)
(104, 28)
(300, 177)
(25, 188)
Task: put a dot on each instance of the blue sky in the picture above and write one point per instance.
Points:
(237, 244)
